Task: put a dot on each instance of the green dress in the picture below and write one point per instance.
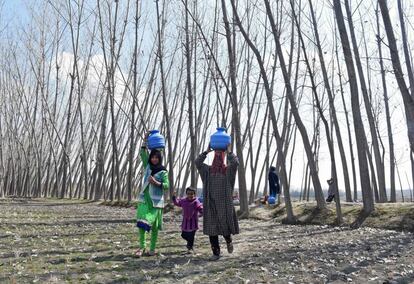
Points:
(146, 212)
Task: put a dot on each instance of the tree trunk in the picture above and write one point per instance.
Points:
(236, 127)
(358, 125)
(348, 193)
(324, 120)
(396, 64)
(279, 143)
(294, 109)
(189, 89)
(164, 98)
(368, 107)
(393, 197)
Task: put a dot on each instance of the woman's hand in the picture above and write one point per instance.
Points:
(145, 141)
(229, 150)
(208, 150)
(153, 181)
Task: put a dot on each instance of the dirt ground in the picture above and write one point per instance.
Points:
(75, 242)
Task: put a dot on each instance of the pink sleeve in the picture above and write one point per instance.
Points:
(199, 206)
(177, 201)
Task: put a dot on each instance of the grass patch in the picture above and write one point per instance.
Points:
(391, 216)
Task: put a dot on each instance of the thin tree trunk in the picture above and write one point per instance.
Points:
(393, 197)
(279, 143)
(236, 127)
(348, 193)
(368, 107)
(396, 64)
(164, 97)
(294, 109)
(193, 141)
(368, 201)
(324, 120)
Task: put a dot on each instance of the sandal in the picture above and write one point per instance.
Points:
(140, 252)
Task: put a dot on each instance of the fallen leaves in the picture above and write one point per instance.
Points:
(98, 251)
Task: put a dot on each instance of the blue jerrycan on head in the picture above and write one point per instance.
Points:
(155, 140)
(220, 139)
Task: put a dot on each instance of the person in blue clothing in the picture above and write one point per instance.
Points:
(274, 188)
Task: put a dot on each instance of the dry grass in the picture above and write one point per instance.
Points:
(390, 216)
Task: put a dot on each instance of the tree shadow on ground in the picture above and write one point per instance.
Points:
(73, 222)
(35, 203)
(360, 219)
(312, 216)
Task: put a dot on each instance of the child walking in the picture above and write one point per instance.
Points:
(151, 199)
(191, 208)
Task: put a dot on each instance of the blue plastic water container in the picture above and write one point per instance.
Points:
(271, 200)
(156, 140)
(220, 139)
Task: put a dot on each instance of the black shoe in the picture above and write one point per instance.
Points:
(330, 198)
(216, 251)
(230, 247)
(214, 257)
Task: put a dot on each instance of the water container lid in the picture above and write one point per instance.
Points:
(221, 129)
(154, 131)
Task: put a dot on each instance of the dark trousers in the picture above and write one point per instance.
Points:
(189, 237)
(274, 191)
(215, 245)
(330, 198)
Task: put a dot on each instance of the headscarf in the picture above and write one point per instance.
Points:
(218, 165)
(158, 167)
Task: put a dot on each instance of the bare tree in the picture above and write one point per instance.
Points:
(290, 216)
(331, 105)
(368, 107)
(358, 125)
(324, 120)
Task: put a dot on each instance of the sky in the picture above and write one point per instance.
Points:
(15, 13)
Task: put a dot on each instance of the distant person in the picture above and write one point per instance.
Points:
(331, 190)
(191, 208)
(219, 215)
(151, 199)
(273, 178)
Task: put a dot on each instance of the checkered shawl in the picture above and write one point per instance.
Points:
(219, 215)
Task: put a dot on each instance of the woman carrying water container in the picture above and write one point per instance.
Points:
(219, 215)
(151, 197)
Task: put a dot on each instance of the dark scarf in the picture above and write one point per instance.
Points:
(218, 165)
(158, 167)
